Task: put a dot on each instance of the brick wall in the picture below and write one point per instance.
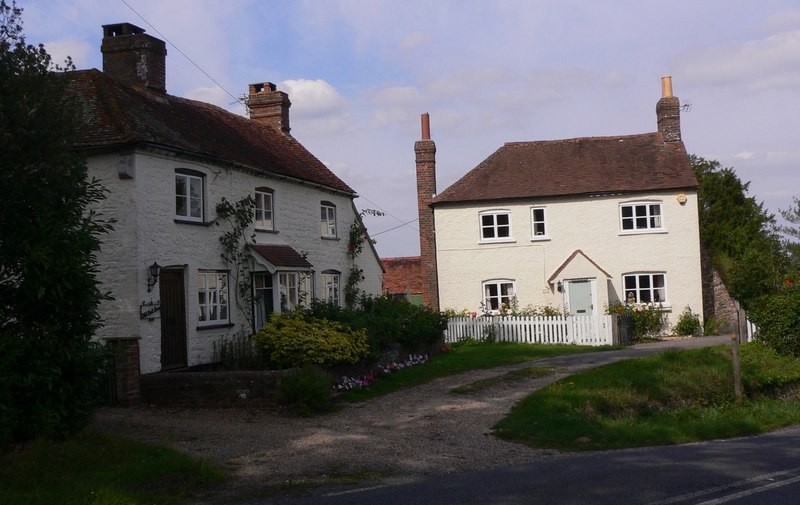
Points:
(717, 302)
(126, 370)
(211, 389)
(425, 151)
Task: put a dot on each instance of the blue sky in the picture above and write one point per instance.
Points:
(360, 73)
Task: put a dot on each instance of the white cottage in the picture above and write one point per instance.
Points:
(167, 162)
(579, 223)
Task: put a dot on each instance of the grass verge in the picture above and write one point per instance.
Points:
(672, 398)
(465, 356)
(92, 468)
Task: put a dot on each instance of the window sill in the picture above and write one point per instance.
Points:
(643, 232)
(265, 230)
(323, 237)
(540, 238)
(215, 326)
(499, 241)
(194, 223)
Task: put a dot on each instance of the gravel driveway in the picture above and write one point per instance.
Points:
(419, 431)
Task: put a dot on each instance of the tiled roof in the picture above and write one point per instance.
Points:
(402, 275)
(281, 256)
(582, 166)
(117, 116)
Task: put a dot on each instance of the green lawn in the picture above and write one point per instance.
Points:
(672, 398)
(103, 470)
(465, 356)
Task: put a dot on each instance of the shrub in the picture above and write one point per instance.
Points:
(713, 325)
(306, 391)
(778, 319)
(648, 320)
(238, 353)
(688, 323)
(295, 339)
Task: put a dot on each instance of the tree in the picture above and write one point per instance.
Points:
(792, 231)
(49, 237)
(740, 236)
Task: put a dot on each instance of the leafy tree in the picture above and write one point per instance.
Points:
(792, 231)
(738, 233)
(49, 296)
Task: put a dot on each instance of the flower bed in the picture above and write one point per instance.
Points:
(348, 383)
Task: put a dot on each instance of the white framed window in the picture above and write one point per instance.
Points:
(640, 216)
(328, 219)
(498, 293)
(538, 223)
(294, 289)
(495, 225)
(189, 195)
(263, 304)
(212, 297)
(645, 287)
(264, 210)
(330, 286)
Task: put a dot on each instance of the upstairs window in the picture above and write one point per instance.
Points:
(645, 288)
(189, 195)
(328, 221)
(640, 216)
(538, 223)
(497, 294)
(495, 225)
(264, 210)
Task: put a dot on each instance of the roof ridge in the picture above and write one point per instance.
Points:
(577, 139)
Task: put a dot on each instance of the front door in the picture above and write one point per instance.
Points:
(580, 297)
(173, 320)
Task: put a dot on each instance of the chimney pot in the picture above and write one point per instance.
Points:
(666, 86)
(426, 126)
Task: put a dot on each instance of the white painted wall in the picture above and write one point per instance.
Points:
(589, 224)
(146, 231)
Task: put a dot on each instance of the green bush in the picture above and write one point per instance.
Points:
(778, 319)
(688, 323)
(713, 325)
(648, 320)
(295, 339)
(306, 391)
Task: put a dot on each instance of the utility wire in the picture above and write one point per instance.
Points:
(388, 213)
(396, 227)
(238, 100)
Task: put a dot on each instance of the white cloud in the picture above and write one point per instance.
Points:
(413, 40)
(745, 155)
(313, 98)
(402, 95)
(77, 49)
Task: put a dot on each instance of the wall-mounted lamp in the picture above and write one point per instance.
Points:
(154, 270)
(559, 287)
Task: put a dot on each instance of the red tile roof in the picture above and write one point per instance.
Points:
(281, 256)
(117, 116)
(402, 275)
(581, 166)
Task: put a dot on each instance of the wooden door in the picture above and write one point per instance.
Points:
(580, 298)
(173, 320)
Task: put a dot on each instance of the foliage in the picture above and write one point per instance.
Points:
(351, 291)
(49, 238)
(688, 323)
(296, 338)
(778, 318)
(648, 319)
(712, 325)
(675, 397)
(792, 230)
(737, 232)
(306, 391)
(356, 239)
(235, 252)
(238, 353)
(101, 469)
(388, 321)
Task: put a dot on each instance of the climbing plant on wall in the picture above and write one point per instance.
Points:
(357, 237)
(238, 216)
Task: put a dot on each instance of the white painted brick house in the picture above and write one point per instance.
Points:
(167, 162)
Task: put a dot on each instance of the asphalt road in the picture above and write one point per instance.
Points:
(756, 470)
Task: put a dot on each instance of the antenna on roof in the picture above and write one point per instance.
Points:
(687, 106)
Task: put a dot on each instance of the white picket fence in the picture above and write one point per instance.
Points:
(582, 330)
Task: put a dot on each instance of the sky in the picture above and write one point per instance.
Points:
(359, 74)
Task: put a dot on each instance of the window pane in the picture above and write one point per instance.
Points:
(506, 289)
(180, 185)
(487, 220)
(491, 290)
(195, 187)
(180, 205)
(627, 212)
(538, 215)
(502, 220)
(503, 231)
(538, 229)
(641, 223)
(196, 207)
(644, 282)
(658, 280)
(630, 282)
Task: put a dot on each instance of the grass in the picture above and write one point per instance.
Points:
(465, 356)
(672, 398)
(512, 377)
(99, 469)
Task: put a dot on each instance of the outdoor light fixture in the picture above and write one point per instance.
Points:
(559, 287)
(154, 270)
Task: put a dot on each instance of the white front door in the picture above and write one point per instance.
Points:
(580, 297)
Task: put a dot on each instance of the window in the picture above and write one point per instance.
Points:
(328, 215)
(289, 284)
(498, 294)
(264, 219)
(538, 223)
(262, 298)
(495, 225)
(189, 195)
(212, 297)
(640, 216)
(645, 288)
(330, 286)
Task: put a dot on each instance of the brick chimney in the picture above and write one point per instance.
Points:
(269, 106)
(425, 151)
(668, 111)
(134, 58)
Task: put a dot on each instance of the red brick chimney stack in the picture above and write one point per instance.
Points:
(668, 111)
(269, 106)
(425, 151)
(134, 58)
